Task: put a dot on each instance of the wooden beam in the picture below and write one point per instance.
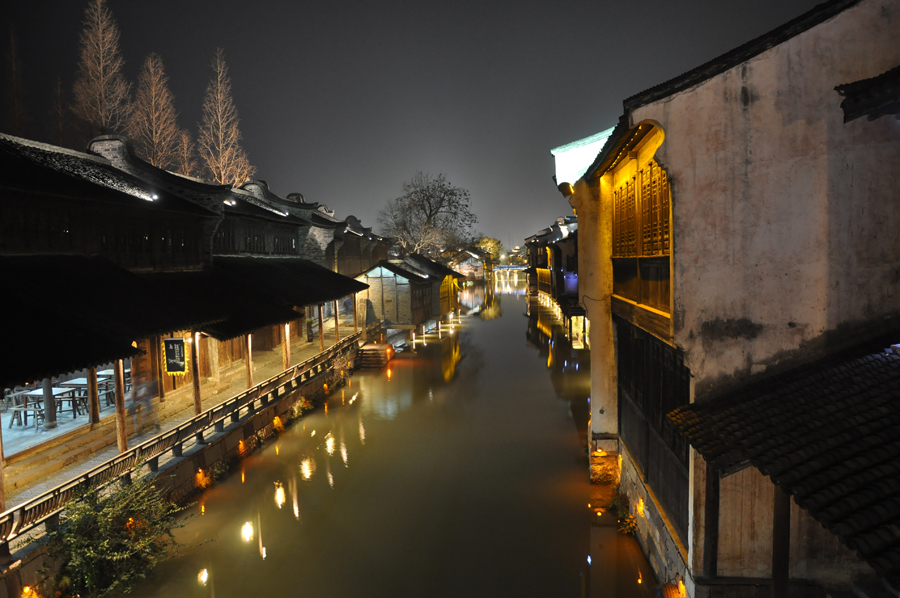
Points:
(121, 434)
(286, 347)
(93, 396)
(321, 327)
(160, 369)
(248, 359)
(711, 523)
(49, 404)
(195, 372)
(337, 322)
(781, 543)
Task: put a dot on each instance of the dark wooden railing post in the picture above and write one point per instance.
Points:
(195, 372)
(121, 434)
(321, 327)
(248, 359)
(337, 322)
(93, 396)
(781, 543)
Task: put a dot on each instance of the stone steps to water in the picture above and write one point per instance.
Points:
(374, 355)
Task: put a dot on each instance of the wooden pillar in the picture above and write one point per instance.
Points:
(337, 322)
(321, 327)
(711, 523)
(781, 543)
(93, 396)
(195, 371)
(2, 490)
(121, 434)
(160, 369)
(286, 347)
(49, 404)
(248, 359)
(355, 316)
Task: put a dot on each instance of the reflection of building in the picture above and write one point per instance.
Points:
(444, 285)
(553, 263)
(772, 247)
(473, 263)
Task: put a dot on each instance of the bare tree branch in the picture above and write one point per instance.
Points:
(221, 153)
(430, 215)
(102, 96)
(18, 115)
(153, 122)
(184, 161)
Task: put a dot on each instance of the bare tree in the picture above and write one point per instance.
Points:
(153, 125)
(58, 120)
(184, 158)
(18, 115)
(430, 215)
(101, 93)
(221, 153)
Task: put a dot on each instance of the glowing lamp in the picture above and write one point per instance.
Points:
(247, 531)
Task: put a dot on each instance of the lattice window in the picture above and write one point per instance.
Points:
(641, 214)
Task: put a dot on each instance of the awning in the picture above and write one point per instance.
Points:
(826, 433)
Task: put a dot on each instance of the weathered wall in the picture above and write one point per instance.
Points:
(784, 217)
(317, 241)
(745, 536)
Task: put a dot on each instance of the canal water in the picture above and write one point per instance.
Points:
(458, 470)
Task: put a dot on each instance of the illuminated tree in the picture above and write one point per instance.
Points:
(153, 125)
(184, 158)
(101, 94)
(430, 216)
(220, 138)
(489, 244)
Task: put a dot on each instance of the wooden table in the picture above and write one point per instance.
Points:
(60, 394)
(81, 384)
(112, 374)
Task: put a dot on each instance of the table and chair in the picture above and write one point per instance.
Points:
(74, 392)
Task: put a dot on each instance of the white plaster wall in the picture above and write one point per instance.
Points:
(317, 241)
(785, 219)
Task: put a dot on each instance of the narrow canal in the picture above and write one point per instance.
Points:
(459, 470)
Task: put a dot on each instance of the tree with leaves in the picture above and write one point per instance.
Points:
(430, 216)
(102, 96)
(490, 245)
(220, 147)
(153, 125)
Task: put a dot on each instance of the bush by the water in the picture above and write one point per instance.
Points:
(108, 541)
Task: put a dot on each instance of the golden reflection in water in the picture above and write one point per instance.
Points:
(328, 471)
(329, 445)
(307, 468)
(344, 453)
(247, 531)
(279, 494)
(202, 509)
(294, 498)
(203, 577)
(242, 476)
(362, 432)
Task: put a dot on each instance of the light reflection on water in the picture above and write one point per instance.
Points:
(461, 475)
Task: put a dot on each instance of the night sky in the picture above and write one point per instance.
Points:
(343, 101)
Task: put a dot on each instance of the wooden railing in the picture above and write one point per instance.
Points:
(46, 507)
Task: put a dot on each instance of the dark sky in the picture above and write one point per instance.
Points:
(343, 101)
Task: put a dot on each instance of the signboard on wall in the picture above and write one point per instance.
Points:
(174, 356)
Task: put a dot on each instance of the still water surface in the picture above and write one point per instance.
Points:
(459, 470)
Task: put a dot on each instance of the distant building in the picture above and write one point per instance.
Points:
(738, 227)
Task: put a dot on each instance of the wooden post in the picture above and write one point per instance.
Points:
(195, 372)
(337, 322)
(93, 396)
(286, 347)
(248, 360)
(355, 317)
(49, 404)
(781, 543)
(711, 523)
(121, 434)
(321, 327)
(160, 369)
(2, 490)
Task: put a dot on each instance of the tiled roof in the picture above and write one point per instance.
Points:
(420, 262)
(873, 97)
(828, 433)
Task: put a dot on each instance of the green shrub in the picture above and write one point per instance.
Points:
(109, 541)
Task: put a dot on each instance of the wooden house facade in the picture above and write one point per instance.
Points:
(396, 296)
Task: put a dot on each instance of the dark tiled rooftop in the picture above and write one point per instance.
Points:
(828, 433)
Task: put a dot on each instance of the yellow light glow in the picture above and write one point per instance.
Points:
(313, 434)
(279, 494)
(344, 453)
(329, 445)
(681, 589)
(326, 408)
(242, 476)
(640, 507)
(276, 450)
(389, 373)
(307, 468)
(203, 509)
(640, 579)
(247, 531)
(203, 577)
